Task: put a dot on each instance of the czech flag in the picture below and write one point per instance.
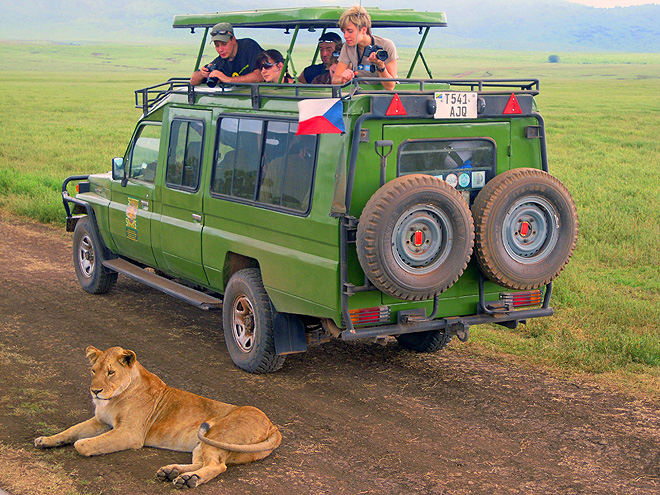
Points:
(322, 116)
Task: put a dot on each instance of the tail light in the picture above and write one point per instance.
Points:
(521, 299)
(370, 316)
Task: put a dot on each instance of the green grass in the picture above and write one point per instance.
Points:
(602, 115)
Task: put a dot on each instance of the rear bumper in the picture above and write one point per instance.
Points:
(455, 325)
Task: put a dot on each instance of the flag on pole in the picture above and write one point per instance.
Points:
(321, 116)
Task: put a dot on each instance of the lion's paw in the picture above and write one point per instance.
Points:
(85, 446)
(167, 473)
(41, 443)
(186, 481)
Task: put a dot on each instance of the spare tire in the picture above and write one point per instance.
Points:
(526, 228)
(415, 237)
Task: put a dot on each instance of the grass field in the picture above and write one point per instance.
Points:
(68, 109)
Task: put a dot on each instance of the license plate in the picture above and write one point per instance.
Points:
(455, 105)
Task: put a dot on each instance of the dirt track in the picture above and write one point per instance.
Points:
(356, 418)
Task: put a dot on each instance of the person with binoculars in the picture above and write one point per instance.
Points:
(363, 54)
(237, 60)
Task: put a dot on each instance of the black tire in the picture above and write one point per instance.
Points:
(431, 341)
(247, 320)
(88, 257)
(526, 228)
(415, 237)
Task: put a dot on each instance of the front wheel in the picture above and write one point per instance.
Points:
(88, 257)
(247, 320)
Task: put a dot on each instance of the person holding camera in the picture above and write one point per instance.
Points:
(237, 60)
(363, 54)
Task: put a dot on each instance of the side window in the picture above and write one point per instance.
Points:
(184, 154)
(436, 156)
(238, 158)
(288, 167)
(144, 154)
(279, 175)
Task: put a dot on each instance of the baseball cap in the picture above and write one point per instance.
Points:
(223, 31)
(330, 38)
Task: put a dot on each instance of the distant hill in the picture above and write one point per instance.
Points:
(497, 24)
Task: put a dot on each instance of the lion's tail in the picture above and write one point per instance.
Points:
(270, 443)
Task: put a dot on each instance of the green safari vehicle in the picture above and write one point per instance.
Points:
(432, 211)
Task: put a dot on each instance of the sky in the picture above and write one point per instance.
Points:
(612, 3)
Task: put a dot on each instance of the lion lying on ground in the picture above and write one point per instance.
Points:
(134, 408)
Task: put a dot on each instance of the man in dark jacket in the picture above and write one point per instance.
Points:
(237, 60)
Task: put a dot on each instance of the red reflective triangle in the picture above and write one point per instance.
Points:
(396, 107)
(512, 106)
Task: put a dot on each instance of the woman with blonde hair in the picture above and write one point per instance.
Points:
(363, 54)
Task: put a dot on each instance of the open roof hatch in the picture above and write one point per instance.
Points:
(311, 19)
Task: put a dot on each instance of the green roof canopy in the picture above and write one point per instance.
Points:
(309, 17)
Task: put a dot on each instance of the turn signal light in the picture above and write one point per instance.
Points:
(521, 299)
(370, 316)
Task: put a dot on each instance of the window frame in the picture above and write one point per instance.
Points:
(265, 121)
(131, 150)
(181, 187)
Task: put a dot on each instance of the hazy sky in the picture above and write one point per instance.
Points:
(612, 3)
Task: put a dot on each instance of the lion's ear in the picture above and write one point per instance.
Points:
(127, 358)
(92, 354)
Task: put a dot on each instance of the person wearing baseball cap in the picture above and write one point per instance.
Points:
(236, 61)
(329, 43)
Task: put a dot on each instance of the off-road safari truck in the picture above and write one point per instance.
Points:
(433, 211)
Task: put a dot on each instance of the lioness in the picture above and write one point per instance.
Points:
(134, 408)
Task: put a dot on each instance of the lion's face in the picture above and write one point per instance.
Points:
(112, 371)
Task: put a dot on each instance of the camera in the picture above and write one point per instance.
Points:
(380, 52)
(211, 82)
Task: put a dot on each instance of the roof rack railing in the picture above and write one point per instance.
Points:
(148, 98)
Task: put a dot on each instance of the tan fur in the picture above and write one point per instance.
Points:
(134, 408)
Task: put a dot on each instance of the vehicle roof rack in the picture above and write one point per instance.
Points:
(149, 98)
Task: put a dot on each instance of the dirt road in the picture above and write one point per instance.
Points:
(356, 418)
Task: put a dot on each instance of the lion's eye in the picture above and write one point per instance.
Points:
(111, 373)
(93, 372)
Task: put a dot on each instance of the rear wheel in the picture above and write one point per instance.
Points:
(88, 257)
(415, 237)
(247, 320)
(526, 228)
(431, 341)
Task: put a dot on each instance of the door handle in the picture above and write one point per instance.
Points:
(145, 204)
(196, 217)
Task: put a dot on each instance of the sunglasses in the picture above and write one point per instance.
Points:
(221, 32)
(266, 65)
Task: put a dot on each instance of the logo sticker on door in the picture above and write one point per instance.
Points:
(131, 219)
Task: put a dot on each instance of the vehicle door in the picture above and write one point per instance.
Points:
(132, 207)
(182, 215)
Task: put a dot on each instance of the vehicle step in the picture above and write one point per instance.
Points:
(191, 296)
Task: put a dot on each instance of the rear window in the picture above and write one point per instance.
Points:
(437, 156)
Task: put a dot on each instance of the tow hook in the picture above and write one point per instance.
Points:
(460, 329)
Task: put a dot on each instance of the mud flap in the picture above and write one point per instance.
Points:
(289, 333)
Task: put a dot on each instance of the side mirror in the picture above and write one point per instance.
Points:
(118, 170)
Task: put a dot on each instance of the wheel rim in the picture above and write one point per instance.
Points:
(243, 323)
(86, 256)
(530, 230)
(422, 239)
